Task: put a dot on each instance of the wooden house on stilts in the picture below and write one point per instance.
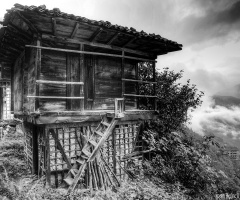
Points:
(74, 83)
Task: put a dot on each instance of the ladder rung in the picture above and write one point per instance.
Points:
(87, 153)
(80, 161)
(105, 123)
(68, 180)
(74, 172)
(92, 142)
(83, 156)
(99, 133)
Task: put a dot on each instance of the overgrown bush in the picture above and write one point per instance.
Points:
(176, 156)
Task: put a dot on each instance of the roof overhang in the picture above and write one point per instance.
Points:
(23, 24)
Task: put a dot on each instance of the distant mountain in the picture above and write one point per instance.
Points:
(228, 97)
(226, 101)
(232, 92)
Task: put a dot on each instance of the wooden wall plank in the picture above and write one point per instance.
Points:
(37, 71)
(18, 78)
(108, 84)
(73, 75)
(81, 76)
(53, 67)
(30, 55)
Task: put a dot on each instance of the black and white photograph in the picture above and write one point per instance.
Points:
(120, 100)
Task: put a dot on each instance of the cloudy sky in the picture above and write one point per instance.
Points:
(208, 29)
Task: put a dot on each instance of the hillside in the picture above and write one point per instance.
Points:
(17, 183)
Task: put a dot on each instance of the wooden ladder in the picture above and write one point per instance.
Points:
(94, 143)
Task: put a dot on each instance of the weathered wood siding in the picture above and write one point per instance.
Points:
(73, 75)
(130, 87)
(18, 84)
(101, 76)
(29, 80)
(108, 83)
(53, 68)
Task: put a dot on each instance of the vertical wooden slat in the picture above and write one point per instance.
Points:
(137, 85)
(63, 141)
(56, 147)
(122, 73)
(12, 89)
(114, 151)
(48, 171)
(1, 103)
(68, 79)
(81, 76)
(34, 149)
(154, 86)
(37, 72)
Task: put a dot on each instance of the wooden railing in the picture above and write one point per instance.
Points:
(57, 82)
(139, 95)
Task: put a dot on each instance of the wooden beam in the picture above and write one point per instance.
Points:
(37, 71)
(130, 41)
(154, 86)
(94, 44)
(137, 84)
(59, 146)
(122, 73)
(92, 53)
(20, 32)
(113, 38)
(10, 50)
(81, 65)
(74, 30)
(135, 95)
(30, 25)
(95, 34)
(54, 97)
(14, 45)
(7, 57)
(139, 81)
(54, 26)
(48, 163)
(60, 82)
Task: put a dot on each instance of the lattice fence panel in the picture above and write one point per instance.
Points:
(28, 145)
(73, 137)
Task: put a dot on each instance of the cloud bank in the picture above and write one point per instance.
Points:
(218, 120)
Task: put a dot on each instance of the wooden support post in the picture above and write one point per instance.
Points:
(1, 103)
(137, 84)
(91, 53)
(48, 172)
(37, 72)
(35, 150)
(114, 152)
(68, 79)
(81, 76)
(122, 73)
(154, 86)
